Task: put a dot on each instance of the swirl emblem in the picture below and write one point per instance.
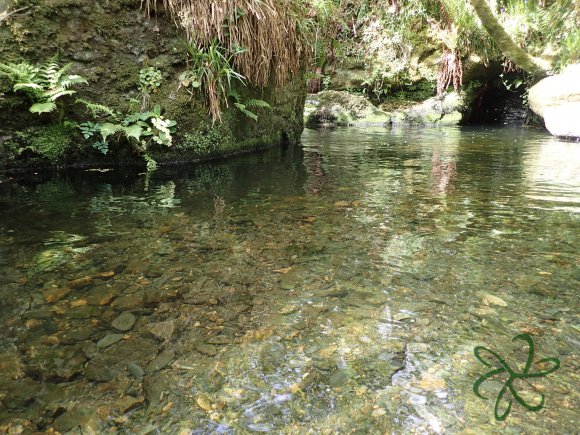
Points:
(501, 366)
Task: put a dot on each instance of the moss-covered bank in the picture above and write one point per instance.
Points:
(109, 42)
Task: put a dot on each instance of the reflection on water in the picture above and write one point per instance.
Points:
(334, 287)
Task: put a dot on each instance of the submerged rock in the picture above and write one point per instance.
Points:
(124, 322)
(557, 100)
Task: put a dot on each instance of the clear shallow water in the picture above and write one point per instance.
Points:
(335, 287)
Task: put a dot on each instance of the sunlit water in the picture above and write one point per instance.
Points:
(336, 287)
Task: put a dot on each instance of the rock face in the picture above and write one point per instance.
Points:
(110, 56)
(557, 100)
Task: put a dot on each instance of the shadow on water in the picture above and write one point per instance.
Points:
(337, 286)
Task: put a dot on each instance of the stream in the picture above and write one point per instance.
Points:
(339, 286)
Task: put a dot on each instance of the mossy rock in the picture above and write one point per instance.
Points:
(339, 108)
(434, 111)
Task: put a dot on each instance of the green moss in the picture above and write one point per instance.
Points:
(52, 142)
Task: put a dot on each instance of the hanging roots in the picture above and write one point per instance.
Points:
(450, 72)
(265, 29)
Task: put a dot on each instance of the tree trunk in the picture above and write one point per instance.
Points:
(504, 42)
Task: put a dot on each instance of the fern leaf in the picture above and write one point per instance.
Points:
(107, 129)
(26, 86)
(133, 131)
(57, 93)
(45, 107)
(96, 108)
(73, 79)
(256, 103)
(250, 114)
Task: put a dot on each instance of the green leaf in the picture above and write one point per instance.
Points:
(20, 86)
(256, 103)
(47, 107)
(108, 129)
(133, 131)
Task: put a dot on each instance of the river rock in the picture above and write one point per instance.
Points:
(136, 371)
(53, 295)
(124, 322)
(557, 100)
(109, 339)
(81, 417)
(166, 330)
(128, 403)
(160, 361)
(99, 370)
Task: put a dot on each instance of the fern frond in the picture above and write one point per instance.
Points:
(95, 108)
(107, 129)
(45, 107)
(252, 102)
(133, 131)
(55, 94)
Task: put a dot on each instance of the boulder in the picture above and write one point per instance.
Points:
(557, 100)
(337, 108)
(434, 111)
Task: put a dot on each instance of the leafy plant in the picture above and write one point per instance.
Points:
(149, 79)
(139, 128)
(44, 84)
(210, 70)
(244, 105)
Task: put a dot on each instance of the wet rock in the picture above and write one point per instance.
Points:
(124, 322)
(84, 312)
(340, 378)
(56, 294)
(99, 370)
(60, 364)
(128, 302)
(102, 295)
(19, 394)
(80, 417)
(155, 295)
(160, 361)
(206, 349)
(128, 403)
(80, 282)
(489, 299)
(136, 371)
(153, 272)
(109, 339)
(38, 313)
(75, 335)
(11, 366)
(155, 386)
(166, 330)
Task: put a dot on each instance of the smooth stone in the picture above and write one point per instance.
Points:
(124, 322)
(166, 330)
(128, 403)
(160, 361)
(206, 349)
(82, 417)
(109, 339)
(136, 371)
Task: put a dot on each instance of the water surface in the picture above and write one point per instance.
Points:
(338, 286)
